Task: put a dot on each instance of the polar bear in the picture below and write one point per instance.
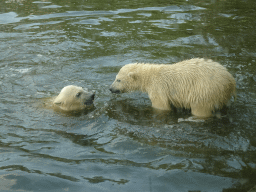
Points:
(201, 85)
(72, 98)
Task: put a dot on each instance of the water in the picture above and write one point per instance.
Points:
(122, 144)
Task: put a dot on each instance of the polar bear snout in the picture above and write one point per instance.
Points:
(91, 96)
(113, 90)
(89, 100)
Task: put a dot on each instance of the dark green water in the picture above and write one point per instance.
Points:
(122, 144)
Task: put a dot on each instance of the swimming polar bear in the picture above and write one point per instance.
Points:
(72, 98)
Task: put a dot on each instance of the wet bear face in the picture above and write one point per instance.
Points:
(74, 98)
(126, 80)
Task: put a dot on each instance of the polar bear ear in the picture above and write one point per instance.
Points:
(133, 75)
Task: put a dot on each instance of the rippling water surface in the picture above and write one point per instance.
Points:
(122, 144)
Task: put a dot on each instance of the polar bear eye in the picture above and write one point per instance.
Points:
(78, 94)
(118, 80)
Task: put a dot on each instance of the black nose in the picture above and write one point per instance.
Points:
(92, 96)
(114, 90)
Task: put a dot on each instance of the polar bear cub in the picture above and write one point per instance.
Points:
(201, 85)
(73, 98)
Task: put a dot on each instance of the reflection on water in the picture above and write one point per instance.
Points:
(122, 144)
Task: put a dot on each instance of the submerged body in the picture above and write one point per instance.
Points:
(72, 98)
(197, 84)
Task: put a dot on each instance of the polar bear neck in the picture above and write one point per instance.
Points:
(147, 74)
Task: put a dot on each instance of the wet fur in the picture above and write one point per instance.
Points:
(201, 85)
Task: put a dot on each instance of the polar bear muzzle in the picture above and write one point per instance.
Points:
(113, 90)
(89, 99)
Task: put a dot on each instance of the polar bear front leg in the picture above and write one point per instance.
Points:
(160, 103)
(200, 110)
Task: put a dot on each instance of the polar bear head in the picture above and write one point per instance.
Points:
(74, 98)
(127, 79)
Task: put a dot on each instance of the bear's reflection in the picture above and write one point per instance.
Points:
(136, 112)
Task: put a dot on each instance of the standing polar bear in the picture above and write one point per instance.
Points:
(198, 84)
(73, 98)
